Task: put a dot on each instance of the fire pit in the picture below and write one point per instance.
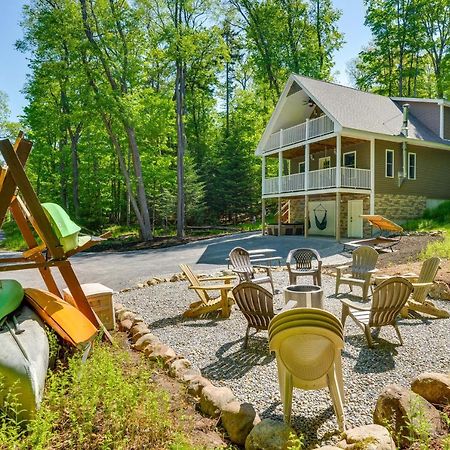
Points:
(309, 296)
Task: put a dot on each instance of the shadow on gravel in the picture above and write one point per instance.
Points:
(212, 319)
(234, 365)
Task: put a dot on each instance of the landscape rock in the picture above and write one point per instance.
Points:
(405, 411)
(160, 352)
(138, 330)
(125, 325)
(138, 319)
(177, 367)
(118, 307)
(239, 419)
(369, 437)
(140, 285)
(189, 374)
(328, 447)
(196, 385)
(144, 341)
(125, 314)
(153, 282)
(440, 291)
(270, 434)
(213, 399)
(434, 387)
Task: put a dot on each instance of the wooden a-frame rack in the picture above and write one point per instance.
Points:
(18, 196)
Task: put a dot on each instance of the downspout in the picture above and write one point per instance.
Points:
(403, 172)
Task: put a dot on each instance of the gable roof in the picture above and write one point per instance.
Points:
(356, 110)
(365, 111)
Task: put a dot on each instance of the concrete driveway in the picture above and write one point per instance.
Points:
(125, 269)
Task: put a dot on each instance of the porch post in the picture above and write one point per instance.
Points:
(280, 170)
(263, 216)
(307, 156)
(372, 176)
(338, 160)
(263, 174)
(305, 232)
(338, 216)
(279, 216)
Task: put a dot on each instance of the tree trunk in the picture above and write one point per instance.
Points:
(74, 138)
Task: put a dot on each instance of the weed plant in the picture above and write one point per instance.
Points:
(108, 402)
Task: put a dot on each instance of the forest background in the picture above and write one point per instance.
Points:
(147, 113)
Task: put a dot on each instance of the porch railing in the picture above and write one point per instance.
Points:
(318, 179)
(296, 134)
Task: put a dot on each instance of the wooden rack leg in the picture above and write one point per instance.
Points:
(21, 222)
(77, 293)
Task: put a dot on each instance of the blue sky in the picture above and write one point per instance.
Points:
(14, 65)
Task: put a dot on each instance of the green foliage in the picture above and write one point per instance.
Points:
(13, 239)
(111, 401)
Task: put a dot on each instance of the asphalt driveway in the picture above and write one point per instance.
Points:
(125, 269)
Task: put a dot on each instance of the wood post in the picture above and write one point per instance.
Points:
(306, 217)
(263, 216)
(338, 216)
(372, 176)
(279, 216)
(338, 160)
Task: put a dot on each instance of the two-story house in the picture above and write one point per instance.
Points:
(342, 153)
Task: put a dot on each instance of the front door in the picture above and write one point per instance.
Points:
(355, 221)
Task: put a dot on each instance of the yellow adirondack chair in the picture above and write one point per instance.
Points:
(363, 266)
(208, 303)
(308, 343)
(388, 299)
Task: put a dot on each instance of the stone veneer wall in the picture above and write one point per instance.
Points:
(297, 210)
(399, 207)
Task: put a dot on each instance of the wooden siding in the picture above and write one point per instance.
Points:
(446, 122)
(432, 171)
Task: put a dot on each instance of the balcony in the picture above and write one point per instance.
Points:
(318, 179)
(300, 133)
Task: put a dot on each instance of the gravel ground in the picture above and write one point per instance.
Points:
(215, 346)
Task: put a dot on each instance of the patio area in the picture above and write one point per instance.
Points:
(215, 346)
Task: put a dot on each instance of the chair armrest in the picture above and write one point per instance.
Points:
(373, 271)
(342, 267)
(224, 278)
(355, 305)
(419, 285)
(239, 271)
(217, 287)
(266, 268)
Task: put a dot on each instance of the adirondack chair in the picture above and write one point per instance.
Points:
(363, 266)
(256, 303)
(208, 303)
(388, 300)
(243, 267)
(422, 285)
(302, 262)
(307, 343)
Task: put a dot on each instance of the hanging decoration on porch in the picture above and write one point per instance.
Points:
(320, 224)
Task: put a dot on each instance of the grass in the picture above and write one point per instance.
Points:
(109, 402)
(13, 239)
(436, 219)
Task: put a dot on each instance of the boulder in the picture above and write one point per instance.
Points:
(329, 447)
(153, 282)
(196, 385)
(239, 419)
(125, 314)
(407, 414)
(369, 437)
(125, 325)
(213, 399)
(440, 291)
(138, 328)
(434, 387)
(270, 434)
(189, 374)
(144, 340)
(177, 367)
(118, 307)
(160, 352)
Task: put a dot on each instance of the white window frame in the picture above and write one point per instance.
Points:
(415, 166)
(343, 159)
(304, 166)
(388, 150)
(325, 158)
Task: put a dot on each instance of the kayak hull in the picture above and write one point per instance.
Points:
(72, 325)
(11, 296)
(24, 361)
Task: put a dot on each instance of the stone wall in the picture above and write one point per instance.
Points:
(398, 207)
(297, 210)
(367, 230)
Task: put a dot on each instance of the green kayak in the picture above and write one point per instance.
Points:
(11, 296)
(66, 230)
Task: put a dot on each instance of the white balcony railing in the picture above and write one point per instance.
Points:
(355, 178)
(296, 134)
(318, 179)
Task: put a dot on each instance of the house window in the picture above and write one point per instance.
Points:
(389, 169)
(350, 159)
(301, 167)
(411, 166)
(325, 163)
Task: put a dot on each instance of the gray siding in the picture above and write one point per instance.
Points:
(427, 113)
(446, 122)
